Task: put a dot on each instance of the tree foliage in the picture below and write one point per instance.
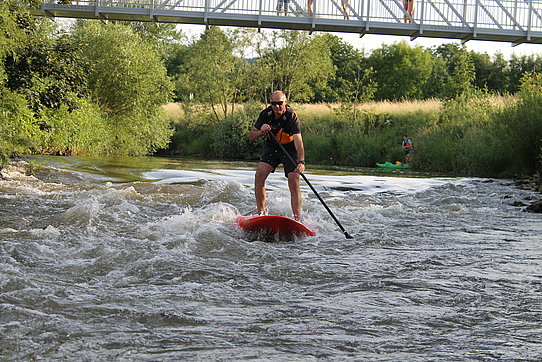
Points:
(93, 91)
(401, 71)
(210, 72)
(459, 68)
(296, 63)
(129, 81)
(350, 79)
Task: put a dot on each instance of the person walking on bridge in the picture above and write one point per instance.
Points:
(409, 8)
(280, 120)
(282, 6)
(345, 9)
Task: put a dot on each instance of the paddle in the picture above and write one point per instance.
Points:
(348, 236)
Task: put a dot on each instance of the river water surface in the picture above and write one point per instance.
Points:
(140, 259)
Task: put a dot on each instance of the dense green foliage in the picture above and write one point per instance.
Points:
(401, 71)
(476, 137)
(95, 90)
(129, 82)
(323, 68)
(519, 128)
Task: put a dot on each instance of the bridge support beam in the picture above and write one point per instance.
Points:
(467, 38)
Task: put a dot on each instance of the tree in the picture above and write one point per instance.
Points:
(436, 83)
(400, 70)
(16, 25)
(165, 37)
(460, 69)
(294, 62)
(18, 129)
(211, 72)
(461, 75)
(521, 65)
(46, 71)
(348, 82)
(127, 78)
(490, 73)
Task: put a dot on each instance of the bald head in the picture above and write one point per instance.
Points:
(278, 96)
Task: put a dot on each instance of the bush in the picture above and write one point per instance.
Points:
(462, 141)
(475, 134)
(80, 131)
(129, 81)
(19, 132)
(350, 137)
(230, 137)
(192, 135)
(518, 135)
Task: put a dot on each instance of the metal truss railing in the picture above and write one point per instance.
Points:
(516, 21)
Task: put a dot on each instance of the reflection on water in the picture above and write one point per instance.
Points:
(139, 258)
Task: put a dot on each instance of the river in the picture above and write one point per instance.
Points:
(140, 259)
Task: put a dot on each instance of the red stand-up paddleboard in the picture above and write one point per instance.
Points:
(273, 224)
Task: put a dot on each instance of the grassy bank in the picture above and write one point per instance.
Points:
(476, 134)
(334, 134)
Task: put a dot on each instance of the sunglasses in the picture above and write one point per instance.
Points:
(279, 103)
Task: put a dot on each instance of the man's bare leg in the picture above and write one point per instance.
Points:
(295, 194)
(263, 170)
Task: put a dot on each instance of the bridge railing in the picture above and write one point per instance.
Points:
(501, 15)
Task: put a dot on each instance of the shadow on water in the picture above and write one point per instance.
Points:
(131, 169)
(271, 237)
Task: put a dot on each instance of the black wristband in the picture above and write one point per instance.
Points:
(298, 162)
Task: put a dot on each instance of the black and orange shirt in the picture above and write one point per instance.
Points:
(283, 128)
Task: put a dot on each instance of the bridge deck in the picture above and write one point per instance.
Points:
(514, 21)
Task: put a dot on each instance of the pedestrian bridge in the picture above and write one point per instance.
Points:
(514, 21)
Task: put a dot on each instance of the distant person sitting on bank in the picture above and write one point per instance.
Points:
(408, 148)
(409, 7)
(282, 6)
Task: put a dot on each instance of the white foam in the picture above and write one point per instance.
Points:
(49, 232)
(16, 171)
(83, 212)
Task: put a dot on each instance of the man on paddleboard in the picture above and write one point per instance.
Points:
(283, 122)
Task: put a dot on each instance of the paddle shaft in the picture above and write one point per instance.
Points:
(348, 236)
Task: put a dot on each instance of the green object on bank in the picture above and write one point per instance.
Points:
(392, 165)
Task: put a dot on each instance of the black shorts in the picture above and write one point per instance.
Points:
(274, 157)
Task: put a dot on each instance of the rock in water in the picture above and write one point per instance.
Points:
(535, 207)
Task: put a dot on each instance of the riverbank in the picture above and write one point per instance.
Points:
(463, 136)
(474, 135)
